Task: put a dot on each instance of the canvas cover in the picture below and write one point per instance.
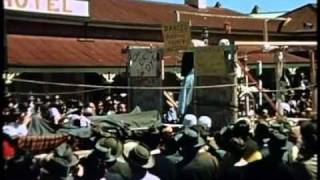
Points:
(134, 119)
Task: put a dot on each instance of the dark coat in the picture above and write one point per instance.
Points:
(203, 166)
(164, 168)
(121, 168)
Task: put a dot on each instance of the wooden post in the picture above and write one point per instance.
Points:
(278, 74)
(247, 84)
(260, 82)
(265, 30)
(313, 77)
(235, 91)
(177, 16)
(265, 95)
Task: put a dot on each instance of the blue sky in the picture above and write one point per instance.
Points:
(245, 6)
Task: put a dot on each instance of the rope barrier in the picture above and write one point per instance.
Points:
(121, 87)
(56, 93)
(289, 89)
(101, 87)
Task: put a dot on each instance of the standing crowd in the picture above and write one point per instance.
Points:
(295, 100)
(241, 150)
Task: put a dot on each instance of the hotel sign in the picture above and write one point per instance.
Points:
(56, 7)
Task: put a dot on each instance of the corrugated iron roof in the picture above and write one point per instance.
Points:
(25, 50)
(135, 11)
(300, 16)
(254, 54)
(42, 51)
(151, 13)
(269, 58)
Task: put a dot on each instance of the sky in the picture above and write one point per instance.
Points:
(245, 6)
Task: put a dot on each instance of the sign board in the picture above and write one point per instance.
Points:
(145, 71)
(176, 36)
(216, 103)
(57, 7)
(210, 61)
(144, 62)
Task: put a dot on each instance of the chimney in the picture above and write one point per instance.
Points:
(256, 10)
(200, 4)
(218, 5)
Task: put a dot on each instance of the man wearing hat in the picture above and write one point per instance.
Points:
(309, 154)
(60, 165)
(96, 165)
(273, 166)
(196, 164)
(164, 168)
(189, 120)
(120, 166)
(204, 125)
(140, 160)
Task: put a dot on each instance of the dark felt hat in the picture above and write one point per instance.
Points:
(115, 145)
(241, 128)
(103, 149)
(279, 136)
(59, 162)
(138, 154)
(189, 138)
(63, 155)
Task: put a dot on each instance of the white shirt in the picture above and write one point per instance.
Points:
(14, 129)
(84, 122)
(55, 114)
(150, 176)
(286, 106)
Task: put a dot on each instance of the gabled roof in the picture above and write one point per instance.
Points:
(143, 12)
(300, 16)
(153, 13)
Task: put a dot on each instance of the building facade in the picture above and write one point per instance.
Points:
(55, 42)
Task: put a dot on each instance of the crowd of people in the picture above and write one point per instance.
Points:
(241, 150)
(295, 99)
